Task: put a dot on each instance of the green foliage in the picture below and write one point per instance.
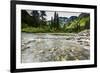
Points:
(78, 24)
(36, 22)
(40, 30)
(36, 19)
(26, 19)
(33, 29)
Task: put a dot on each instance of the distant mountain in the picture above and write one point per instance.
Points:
(62, 21)
(71, 18)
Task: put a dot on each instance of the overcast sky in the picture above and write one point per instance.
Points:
(50, 14)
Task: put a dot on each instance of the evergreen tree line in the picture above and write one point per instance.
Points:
(36, 19)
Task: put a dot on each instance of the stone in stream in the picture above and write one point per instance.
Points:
(41, 51)
(70, 38)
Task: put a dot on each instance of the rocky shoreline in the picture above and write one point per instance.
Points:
(68, 48)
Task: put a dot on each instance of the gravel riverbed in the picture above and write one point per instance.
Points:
(55, 47)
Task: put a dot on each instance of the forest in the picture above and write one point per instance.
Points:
(37, 22)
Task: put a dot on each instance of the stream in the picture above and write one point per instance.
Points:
(38, 47)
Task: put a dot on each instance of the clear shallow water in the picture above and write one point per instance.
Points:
(49, 47)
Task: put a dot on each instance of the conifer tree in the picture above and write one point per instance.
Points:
(36, 18)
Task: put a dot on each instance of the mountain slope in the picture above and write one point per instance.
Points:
(78, 24)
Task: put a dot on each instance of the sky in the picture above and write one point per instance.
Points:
(50, 14)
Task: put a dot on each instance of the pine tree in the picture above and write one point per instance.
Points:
(36, 18)
(56, 21)
(57, 24)
(42, 14)
(43, 19)
(26, 19)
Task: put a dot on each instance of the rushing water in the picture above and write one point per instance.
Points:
(50, 47)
